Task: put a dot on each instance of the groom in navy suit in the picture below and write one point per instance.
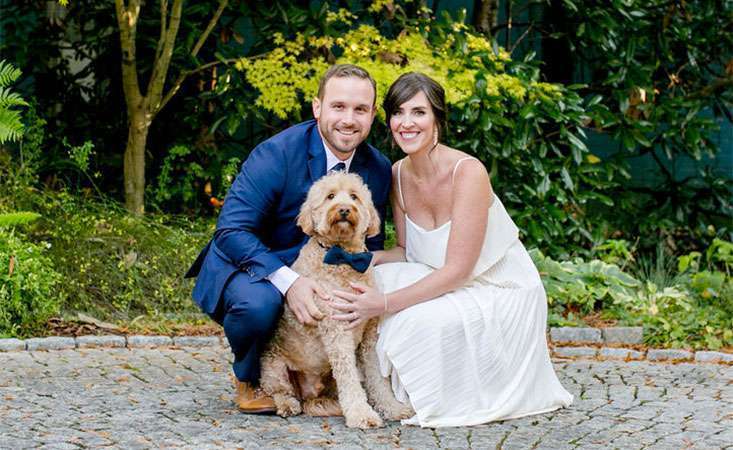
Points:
(243, 273)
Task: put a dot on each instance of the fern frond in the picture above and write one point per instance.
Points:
(8, 99)
(8, 220)
(8, 73)
(11, 128)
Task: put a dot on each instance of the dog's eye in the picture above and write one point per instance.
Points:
(331, 196)
(354, 197)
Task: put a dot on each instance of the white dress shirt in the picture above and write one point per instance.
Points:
(284, 277)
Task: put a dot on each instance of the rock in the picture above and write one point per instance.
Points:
(657, 354)
(50, 343)
(623, 335)
(137, 341)
(12, 345)
(573, 334)
(575, 352)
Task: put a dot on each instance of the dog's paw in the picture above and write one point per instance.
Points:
(287, 406)
(367, 418)
(398, 411)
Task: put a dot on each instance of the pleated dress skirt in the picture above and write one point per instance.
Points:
(474, 355)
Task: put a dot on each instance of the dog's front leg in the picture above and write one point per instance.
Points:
(377, 387)
(341, 351)
(275, 381)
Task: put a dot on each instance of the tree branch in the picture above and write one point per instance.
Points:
(184, 74)
(529, 28)
(209, 27)
(162, 61)
(127, 22)
(163, 28)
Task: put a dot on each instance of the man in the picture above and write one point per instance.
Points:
(243, 272)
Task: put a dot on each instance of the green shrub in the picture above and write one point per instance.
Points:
(29, 286)
(117, 266)
(8, 220)
(688, 307)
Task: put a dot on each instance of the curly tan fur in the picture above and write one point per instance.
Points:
(338, 211)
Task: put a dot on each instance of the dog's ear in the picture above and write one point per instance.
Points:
(305, 217)
(374, 222)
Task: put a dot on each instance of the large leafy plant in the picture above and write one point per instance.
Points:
(11, 127)
(665, 72)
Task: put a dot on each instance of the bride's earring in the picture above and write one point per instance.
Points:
(435, 134)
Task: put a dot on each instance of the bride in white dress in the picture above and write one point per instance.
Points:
(462, 335)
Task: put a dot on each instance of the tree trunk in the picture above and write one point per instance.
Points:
(134, 164)
(141, 109)
(486, 15)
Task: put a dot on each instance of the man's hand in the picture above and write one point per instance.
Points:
(300, 300)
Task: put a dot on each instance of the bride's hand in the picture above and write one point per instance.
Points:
(357, 308)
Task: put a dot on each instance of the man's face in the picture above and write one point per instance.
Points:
(345, 114)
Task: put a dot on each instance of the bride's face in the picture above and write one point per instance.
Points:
(413, 125)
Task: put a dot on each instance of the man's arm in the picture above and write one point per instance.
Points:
(251, 197)
(381, 199)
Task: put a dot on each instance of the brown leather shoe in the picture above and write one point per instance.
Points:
(252, 401)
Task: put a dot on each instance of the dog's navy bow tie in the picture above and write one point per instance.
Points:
(359, 261)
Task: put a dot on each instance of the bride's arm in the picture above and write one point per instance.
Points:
(472, 196)
(397, 253)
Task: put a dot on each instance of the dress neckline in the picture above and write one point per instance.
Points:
(444, 224)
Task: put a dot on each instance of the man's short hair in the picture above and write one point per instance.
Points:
(344, 71)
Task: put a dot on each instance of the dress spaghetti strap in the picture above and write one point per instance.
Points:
(456, 167)
(399, 184)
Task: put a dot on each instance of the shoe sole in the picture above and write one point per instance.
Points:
(261, 411)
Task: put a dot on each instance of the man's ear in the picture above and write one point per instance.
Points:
(316, 104)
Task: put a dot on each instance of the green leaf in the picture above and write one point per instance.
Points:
(565, 175)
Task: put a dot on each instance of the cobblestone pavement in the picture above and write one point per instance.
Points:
(168, 397)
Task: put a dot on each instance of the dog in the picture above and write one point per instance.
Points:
(338, 211)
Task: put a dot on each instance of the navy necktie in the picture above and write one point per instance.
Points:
(359, 261)
(338, 167)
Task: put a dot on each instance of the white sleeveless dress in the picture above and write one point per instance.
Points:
(476, 354)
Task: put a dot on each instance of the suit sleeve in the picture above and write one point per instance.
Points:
(381, 199)
(251, 198)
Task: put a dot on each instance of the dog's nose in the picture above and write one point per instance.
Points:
(344, 212)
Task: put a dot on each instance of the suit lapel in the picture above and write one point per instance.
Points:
(316, 155)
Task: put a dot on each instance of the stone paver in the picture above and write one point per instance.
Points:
(575, 334)
(148, 341)
(620, 353)
(50, 343)
(100, 341)
(573, 352)
(657, 354)
(623, 335)
(181, 397)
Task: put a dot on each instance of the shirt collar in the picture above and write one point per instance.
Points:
(332, 160)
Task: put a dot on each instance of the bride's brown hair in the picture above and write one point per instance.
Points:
(407, 86)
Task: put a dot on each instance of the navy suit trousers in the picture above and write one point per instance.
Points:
(249, 313)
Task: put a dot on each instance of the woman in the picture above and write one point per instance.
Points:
(464, 312)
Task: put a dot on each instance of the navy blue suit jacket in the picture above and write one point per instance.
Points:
(256, 231)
